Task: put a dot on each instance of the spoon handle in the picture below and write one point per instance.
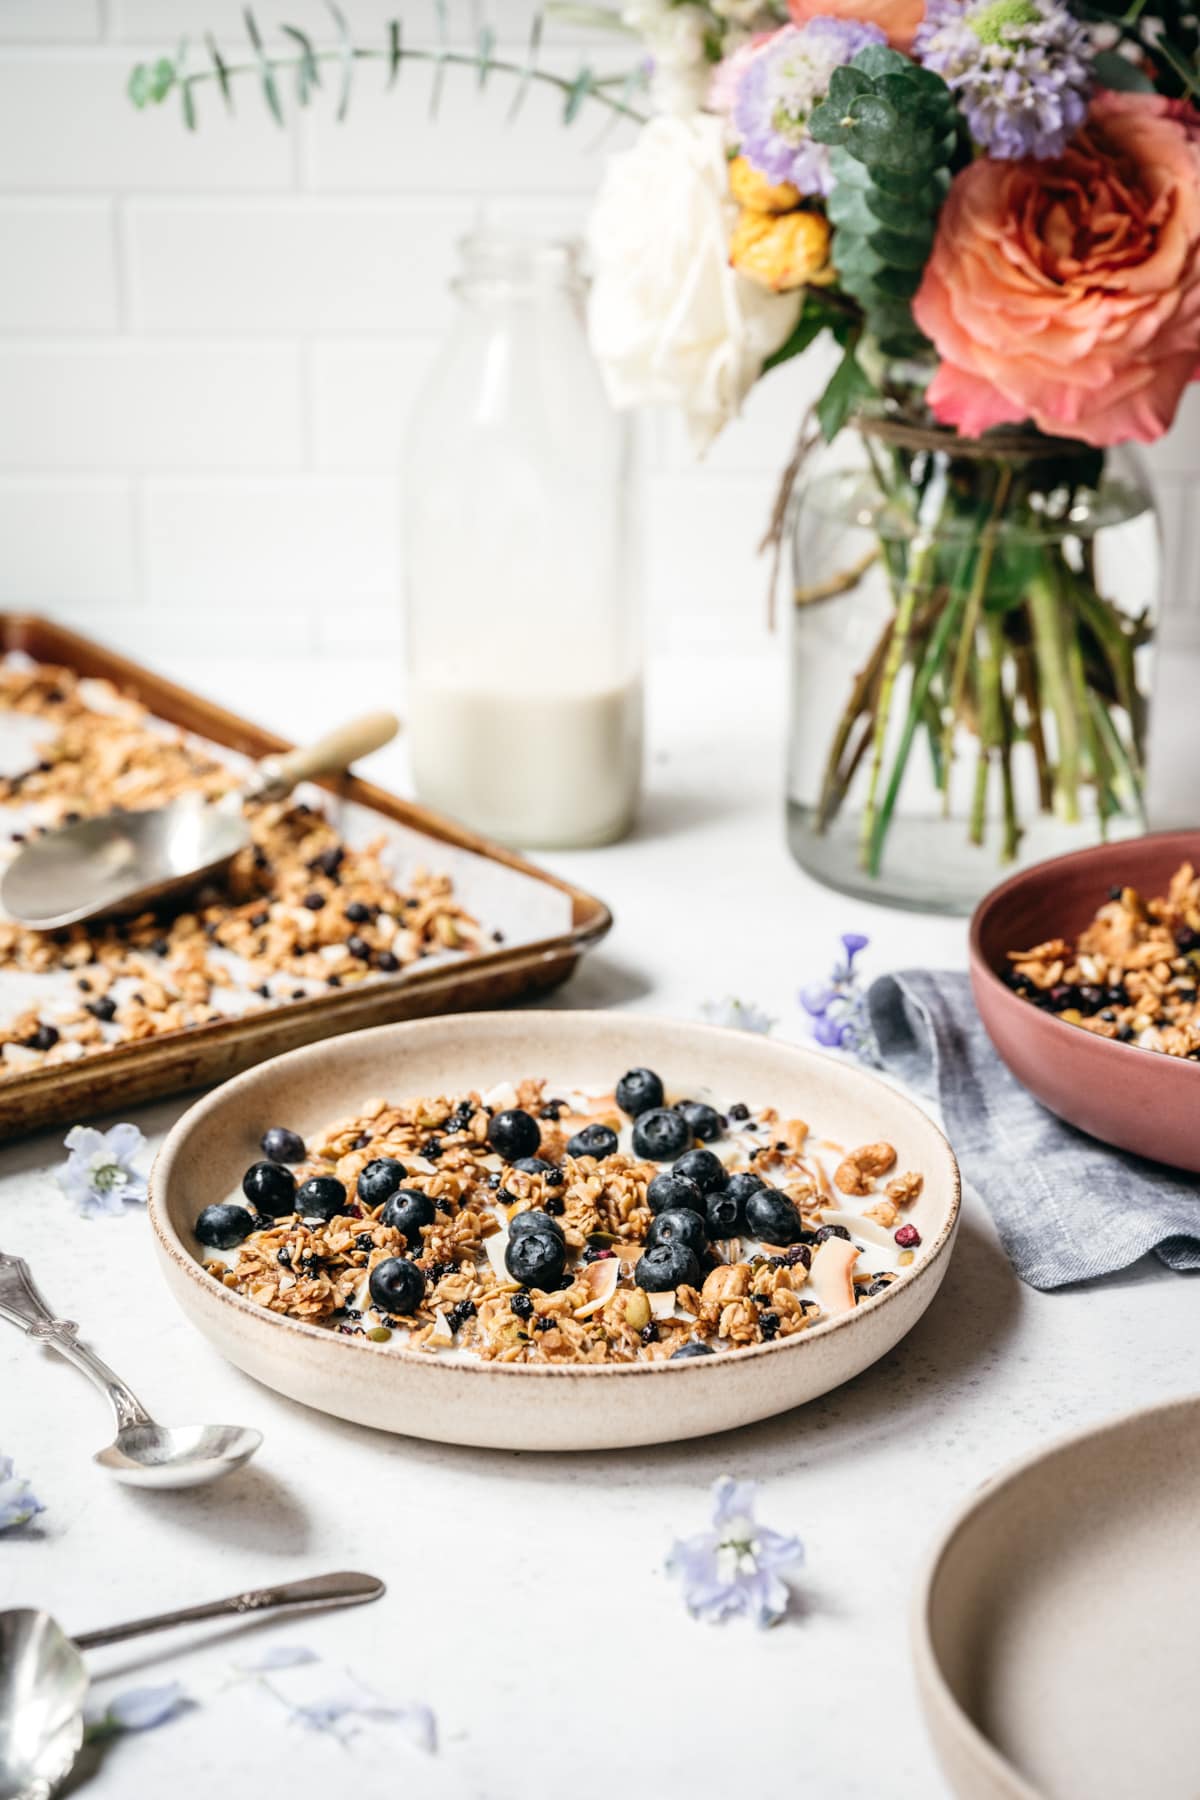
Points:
(330, 755)
(346, 1589)
(22, 1305)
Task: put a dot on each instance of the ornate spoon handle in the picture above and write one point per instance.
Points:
(22, 1305)
(345, 1589)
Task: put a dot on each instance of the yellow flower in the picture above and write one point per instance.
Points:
(751, 189)
(782, 252)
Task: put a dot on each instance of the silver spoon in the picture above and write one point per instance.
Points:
(143, 1453)
(122, 862)
(43, 1681)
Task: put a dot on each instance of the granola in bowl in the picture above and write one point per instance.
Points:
(539, 1225)
(1133, 973)
(305, 911)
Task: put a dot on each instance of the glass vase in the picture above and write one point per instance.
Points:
(971, 647)
(521, 566)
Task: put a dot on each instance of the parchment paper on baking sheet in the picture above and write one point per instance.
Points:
(513, 908)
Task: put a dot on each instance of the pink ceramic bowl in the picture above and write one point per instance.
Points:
(1134, 1099)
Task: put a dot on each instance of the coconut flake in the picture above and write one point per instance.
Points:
(662, 1306)
(600, 1281)
(494, 1248)
(830, 1275)
(441, 1334)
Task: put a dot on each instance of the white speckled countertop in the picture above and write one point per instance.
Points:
(527, 1601)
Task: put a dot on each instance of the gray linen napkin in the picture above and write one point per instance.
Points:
(1067, 1208)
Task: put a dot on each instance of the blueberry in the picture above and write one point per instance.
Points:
(661, 1134)
(536, 1258)
(535, 1220)
(671, 1190)
(221, 1227)
(514, 1134)
(105, 1008)
(407, 1210)
(680, 1227)
(283, 1146)
(742, 1184)
(397, 1285)
(1091, 997)
(379, 1179)
(702, 1167)
(638, 1091)
(694, 1348)
(704, 1121)
(726, 1214)
(667, 1265)
(773, 1218)
(270, 1189)
(594, 1140)
(535, 1165)
(828, 1231)
(321, 1197)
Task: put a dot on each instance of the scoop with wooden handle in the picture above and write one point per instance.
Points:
(125, 862)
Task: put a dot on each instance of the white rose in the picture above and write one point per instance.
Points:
(670, 322)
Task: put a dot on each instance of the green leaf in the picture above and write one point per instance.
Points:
(346, 47)
(220, 69)
(818, 314)
(578, 92)
(266, 69)
(439, 67)
(484, 46)
(848, 386)
(530, 69)
(904, 249)
(308, 72)
(150, 83)
(395, 51)
(879, 59)
(1116, 71)
(845, 83)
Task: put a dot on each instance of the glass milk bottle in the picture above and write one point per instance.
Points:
(521, 567)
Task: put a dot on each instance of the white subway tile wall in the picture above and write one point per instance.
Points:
(210, 341)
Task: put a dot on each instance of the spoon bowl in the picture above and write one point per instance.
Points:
(42, 1687)
(177, 1456)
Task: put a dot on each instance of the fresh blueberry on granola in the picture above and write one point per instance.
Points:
(381, 1178)
(704, 1120)
(639, 1091)
(270, 1189)
(282, 1146)
(221, 1227)
(519, 1243)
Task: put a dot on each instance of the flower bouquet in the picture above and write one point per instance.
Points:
(992, 210)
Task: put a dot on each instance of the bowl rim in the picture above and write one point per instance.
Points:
(982, 970)
(932, 1685)
(171, 1246)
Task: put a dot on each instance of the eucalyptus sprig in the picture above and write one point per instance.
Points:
(151, 83)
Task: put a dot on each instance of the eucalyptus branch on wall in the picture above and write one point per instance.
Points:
(305, 70)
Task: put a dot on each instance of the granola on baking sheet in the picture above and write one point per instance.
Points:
(1133, 974)
(535, 1224)
(300, 913)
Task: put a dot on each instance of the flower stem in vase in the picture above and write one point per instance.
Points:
(1046, 613)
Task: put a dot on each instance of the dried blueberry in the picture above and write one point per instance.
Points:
(105, 1008)
(397, 1285)
(638, 1091)
(694, 1348)
(514, 1134)
(521, 1305)
(221, 1227)
(283, 1146)
(270, 1189)
(828, 1231)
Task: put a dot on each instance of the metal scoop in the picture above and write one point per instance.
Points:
(43, 1681)
(143, 1453)
(124, 862)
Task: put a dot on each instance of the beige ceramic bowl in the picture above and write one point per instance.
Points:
(508, 1406)
(1057, 1630)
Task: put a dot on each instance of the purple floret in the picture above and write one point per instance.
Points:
(1020, 70)
(786, 79)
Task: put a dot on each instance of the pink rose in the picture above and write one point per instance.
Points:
(897, 19)
(1068, 291)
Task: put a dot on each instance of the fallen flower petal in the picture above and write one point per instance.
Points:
(99, 1174)
(738, 1566)
(18, 1502)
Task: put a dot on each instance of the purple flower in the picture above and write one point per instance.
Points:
(99, 1174)
(838, 1006)
(337, 1706)
(18, 1502)
(778, 91)
(738, 1566)
(139, 1709)
(1021, 70)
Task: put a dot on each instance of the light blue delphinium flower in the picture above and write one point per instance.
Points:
(738, 1015)
(838, 1006)
(782, 84)
(139, 1709)
(738, 1566)
(18, 1502)
(1021, 70)
(99, 1174)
